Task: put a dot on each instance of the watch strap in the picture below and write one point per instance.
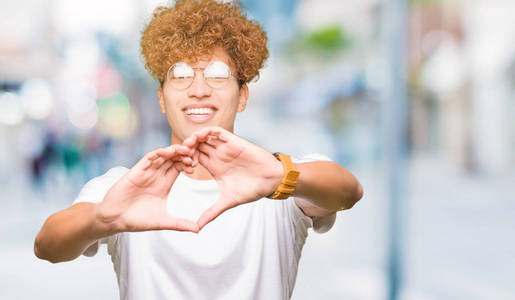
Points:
(289, 180)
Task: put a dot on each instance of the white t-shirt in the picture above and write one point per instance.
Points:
(249, 252)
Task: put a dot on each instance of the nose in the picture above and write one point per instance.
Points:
(199, 88)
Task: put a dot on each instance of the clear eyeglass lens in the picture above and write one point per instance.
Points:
(216, 75)
(182, 75)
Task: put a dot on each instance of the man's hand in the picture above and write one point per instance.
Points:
(137, 202)
(244, 172)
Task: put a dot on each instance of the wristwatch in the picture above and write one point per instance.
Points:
(289, 180)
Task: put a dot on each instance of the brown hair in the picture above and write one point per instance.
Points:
(192, 29)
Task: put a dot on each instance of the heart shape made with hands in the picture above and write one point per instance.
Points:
(243, 171)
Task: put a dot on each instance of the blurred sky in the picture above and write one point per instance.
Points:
(75, 101)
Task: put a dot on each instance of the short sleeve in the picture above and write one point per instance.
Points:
(94, 191)
(319, 224)
(301, 222)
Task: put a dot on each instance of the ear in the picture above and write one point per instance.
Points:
(242, 100)
(161, 97)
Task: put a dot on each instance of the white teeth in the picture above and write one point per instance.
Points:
(199, 111)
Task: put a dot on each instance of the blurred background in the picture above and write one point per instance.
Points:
(416, 98)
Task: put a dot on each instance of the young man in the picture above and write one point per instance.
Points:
(192, 220)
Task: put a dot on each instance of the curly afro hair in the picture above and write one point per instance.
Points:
(192, 29)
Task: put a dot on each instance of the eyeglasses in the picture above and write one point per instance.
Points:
(216, 75)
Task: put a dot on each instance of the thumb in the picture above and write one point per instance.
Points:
(178, 224)
(213, 212)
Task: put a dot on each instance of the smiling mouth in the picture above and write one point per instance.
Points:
(199, 111)
(199, 114)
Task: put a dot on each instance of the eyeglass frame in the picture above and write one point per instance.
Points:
(240, 82)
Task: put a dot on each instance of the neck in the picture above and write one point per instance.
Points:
(200, 173)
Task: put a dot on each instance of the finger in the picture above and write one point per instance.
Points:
(157, 163)
(152, 164)
(180, 167)
(187, 160)
(203, 159)
(207, 149)
(220, 133)
(195, 158)
(151, 155)
(191, 152)
(190, 141)
(212, 135)
(171, 174)
(166, 153)
(166, 165)
(181, 149)
(146, 160)
(214, 141)
(223, 135)
(179, 224)
(212, 213)
(172, 151)
(202, 134)
(146, 164)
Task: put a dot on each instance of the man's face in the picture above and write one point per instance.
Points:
(200, 105)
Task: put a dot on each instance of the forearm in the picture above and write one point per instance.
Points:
(67, 233)
(327, 185)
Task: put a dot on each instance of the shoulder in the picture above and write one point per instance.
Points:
(311, 157)
(108, 178)
(95, 189)
(115, 172)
